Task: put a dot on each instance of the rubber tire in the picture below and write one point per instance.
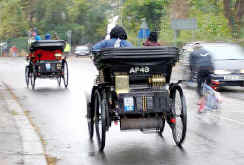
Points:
(90, 121)
(100, 103)
(161, 129)
(65, 78)
(183, 116)
(27, 76)
(33, 80)
(59, 81)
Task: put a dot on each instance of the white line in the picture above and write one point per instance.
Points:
(231, 120)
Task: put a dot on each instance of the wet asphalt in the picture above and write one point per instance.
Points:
(59, 113)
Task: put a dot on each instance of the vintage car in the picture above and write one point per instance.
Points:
(134, 88)
(46, 60)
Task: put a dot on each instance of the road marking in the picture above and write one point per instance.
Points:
(231, 120)
(223, 117)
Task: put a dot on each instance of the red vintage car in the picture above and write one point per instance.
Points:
(46, 60)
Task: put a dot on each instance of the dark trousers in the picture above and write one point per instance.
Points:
(203, 76)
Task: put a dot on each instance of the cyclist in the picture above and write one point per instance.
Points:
(200, 62)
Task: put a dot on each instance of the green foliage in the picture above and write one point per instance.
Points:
(211, 25)
(86, 20)
(135, 10)
(12, 25)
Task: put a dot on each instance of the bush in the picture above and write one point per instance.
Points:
(20, 43)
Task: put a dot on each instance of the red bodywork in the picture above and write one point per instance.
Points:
(45, 55)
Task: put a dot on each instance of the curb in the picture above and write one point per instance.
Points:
(33, 151)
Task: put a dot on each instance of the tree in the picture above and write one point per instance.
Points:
(234, 11)
(152, 10)
(13, 25)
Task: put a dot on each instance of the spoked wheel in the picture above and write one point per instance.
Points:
(65, 74)
(59, 81)
(27, 76)
(100, 106)
(90, 120)
(161, 128)
(33, 79)
(179, 110)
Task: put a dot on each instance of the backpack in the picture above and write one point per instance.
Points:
(117, 43)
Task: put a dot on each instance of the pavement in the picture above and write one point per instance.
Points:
(20, 144)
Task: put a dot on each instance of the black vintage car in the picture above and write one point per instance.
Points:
(227, 62)
(134, 88)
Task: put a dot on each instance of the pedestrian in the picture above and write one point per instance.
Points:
(67, 48)
(152, 40)
(14, 50)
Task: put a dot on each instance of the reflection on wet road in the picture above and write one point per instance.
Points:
(60, 115)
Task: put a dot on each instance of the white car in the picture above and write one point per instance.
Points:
(81, 51)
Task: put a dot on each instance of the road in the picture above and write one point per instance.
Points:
(59, 117)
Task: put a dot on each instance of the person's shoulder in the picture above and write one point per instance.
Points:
(128, 44)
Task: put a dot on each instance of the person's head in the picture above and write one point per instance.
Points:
(153, 37)
(197, 46)
(47, 36)
(118, 32)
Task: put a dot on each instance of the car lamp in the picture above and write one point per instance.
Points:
(58, 56)
(242, 71)
(221, 72)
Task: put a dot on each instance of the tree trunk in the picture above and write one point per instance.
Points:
(234, 13)
(179, 9)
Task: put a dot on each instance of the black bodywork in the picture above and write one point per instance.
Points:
(148, 72)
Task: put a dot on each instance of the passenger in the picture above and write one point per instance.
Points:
(56, 37)
(48, 36)
(38, 37)
(152, 40)
(118, 38)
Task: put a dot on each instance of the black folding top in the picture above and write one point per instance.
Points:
(144, 52)
(47, 44)
(113, 56)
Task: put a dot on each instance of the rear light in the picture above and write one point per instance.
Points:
(173, 120)
(213, 82)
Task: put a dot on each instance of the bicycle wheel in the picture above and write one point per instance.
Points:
(100, 119)
(27, 76)
(65, 73)
(180, 113)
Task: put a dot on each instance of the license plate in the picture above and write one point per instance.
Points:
(232, 77)
(128, 104)
(48, 66)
